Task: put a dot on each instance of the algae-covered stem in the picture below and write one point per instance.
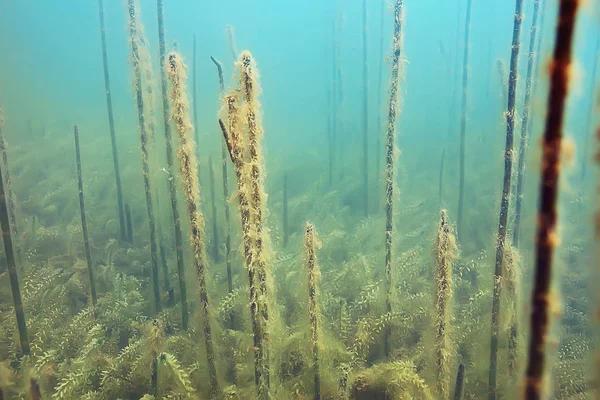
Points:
(249, 88)
(191, 191)
(504, 201)
(86, 241)
(12, 270)
(546, 235)
(365, 112)
(211, 176)
(8, 182)
(111, 122)
(525, 126)
(389, 165)
(463, 124)
(313, 311)
(135, 58)
(171, 180)
(226, 199)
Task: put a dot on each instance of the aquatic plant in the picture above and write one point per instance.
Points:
(390, 147)
(191, 190)
(213, 206)
(310, 243)
(546, 236)
(446, 253)
(459, 388)
(129, 224)
(88, 254)
(395, 381)
(137, 83)
(171, 181)
(9, 191)
(111, 122)
(463, 125)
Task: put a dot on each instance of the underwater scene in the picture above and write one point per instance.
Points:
(342, 199)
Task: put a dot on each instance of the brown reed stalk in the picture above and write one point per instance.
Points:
(86, 241)
(12, 269)
(250, 89)
(211, 175)
(525, 127)
(390, 146)
(310, 243)
(191, 190)
(504, 201)
(365, 112)
(137, 80)
(463, 125)
(111, 122)
(546, 236)
(11, 195)
(225, 174)
(171, 180)
(235, 145)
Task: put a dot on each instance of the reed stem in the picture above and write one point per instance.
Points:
(313, 308)
(171, 180)
(129, 224)
(546, 235)
(504, 201)
(390, 167)
(86, 241)
(111, 122)
(11, 195)
(459, 389)
(215, 246)
(135, 58)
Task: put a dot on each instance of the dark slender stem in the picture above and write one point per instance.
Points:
(463, 125)
(144, 148)
(129, 224)
(546, 236)
(365, 112)
(171, 182)
(313, 311)
(11, 196)
(285, 210)
(460, 383)
(389, 166)
(211, 173)
(12, 270)
(525, 127)
(504, 204)
(86, 241)
(111, 122)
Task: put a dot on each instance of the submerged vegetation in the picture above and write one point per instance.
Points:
(385, 303)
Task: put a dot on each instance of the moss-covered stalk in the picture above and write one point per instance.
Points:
(235, 144)
(445, 254)
(12, 268)
(225, 174)
(191, 191)
(310, 243)
(137, 82)
(86, 241)
(504, 201)
(546, 235)
(172, 184)
(250, 89)
(463, 124)
(390, 146)
(8, 183)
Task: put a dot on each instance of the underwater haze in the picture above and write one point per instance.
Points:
(295, 200)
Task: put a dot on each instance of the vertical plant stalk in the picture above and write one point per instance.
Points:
(111, 121)
(226, 200)
(171, 180)
(459, 389)
(525, 126)
(86, 241)
(235, 145)
(511, 278)
(390, 146)
(8, 183)
(137, 78)
(313, 307)
(365, 112)
(129, 224)
(215, 246)
(250, 90)
(546, 236)
(12, 269)
(285, 211)
(191, 191)
(445, 254)
(504, 201)
(463, 125)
